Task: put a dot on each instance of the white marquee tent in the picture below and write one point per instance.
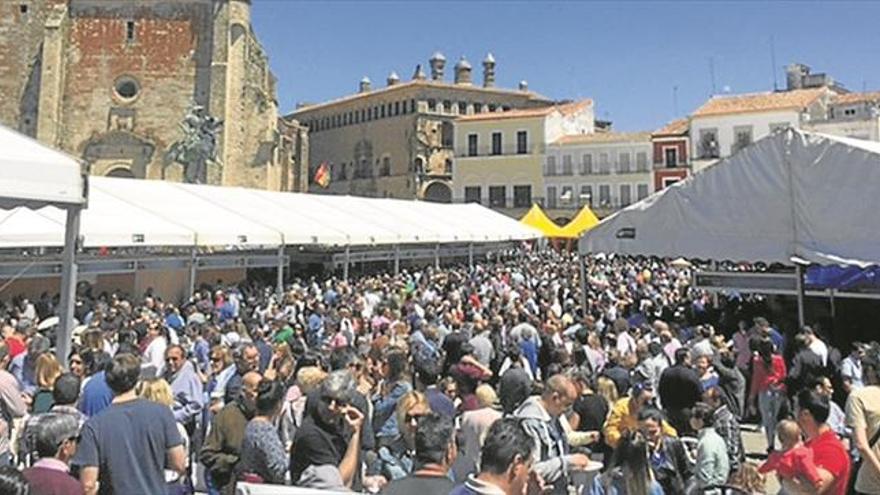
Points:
(36, 176)
(126, 213)
(791, 196)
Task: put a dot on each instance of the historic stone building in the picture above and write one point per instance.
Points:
(160, 89)
(397, 141)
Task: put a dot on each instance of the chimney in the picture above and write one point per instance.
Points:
(795, 75)
(463, 72)
(419, 74)
(489, 71)
(523, 85)
(393, 78)
(365, 85)
(438, 62)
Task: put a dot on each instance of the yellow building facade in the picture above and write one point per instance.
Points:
(499, 158)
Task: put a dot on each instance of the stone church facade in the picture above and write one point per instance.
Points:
(112, 82)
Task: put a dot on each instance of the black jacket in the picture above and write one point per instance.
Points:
(679, 387)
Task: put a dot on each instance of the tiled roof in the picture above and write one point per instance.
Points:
(870, 96)
(417, 83)
(605, 137)
(760, 102)
(677, 127)
(565, 109)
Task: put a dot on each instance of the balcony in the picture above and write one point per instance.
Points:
(506, 150)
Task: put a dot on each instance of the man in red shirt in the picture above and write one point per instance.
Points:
(829, 453)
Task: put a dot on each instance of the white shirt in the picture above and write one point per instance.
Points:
(155, 354)
(821, 349)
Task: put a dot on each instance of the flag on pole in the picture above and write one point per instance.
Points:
(322, 175)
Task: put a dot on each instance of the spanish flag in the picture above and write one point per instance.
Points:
(322, 175)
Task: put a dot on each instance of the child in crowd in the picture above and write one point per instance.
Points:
(794, 462)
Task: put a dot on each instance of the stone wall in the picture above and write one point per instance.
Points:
(111, 81)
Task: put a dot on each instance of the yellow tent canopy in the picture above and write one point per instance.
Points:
(584, 221)
(538, 219)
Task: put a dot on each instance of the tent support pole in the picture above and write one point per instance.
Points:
(583, 275)
(437, 256)
(471, 255)
(833, 306)
(397, 259)
(347, 262)
(193, 266)
(715, 303)
(799, 270)
(280, 282)
(68, 284)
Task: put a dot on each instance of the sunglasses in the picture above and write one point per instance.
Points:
(409, 418)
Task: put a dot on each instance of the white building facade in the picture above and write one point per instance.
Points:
(725, 124)
(606, 171)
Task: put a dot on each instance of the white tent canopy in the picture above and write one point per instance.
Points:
(125, 212)
(790, 195)
(34, 174)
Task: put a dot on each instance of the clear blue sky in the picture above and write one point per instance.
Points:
(627, 56)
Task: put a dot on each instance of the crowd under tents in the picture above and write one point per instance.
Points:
(792, 198)
(583, 221)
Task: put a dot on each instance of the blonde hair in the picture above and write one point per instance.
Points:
(408, 401)
(788, 431)
(748, 478)
(607, 389)
(486, 395)
(308, 378)
(156, 390)
(48, 369)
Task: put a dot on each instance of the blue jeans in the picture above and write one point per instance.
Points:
(769, 403)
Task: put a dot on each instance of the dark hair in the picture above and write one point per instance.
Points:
(652, 414)
(270, 393)
(505, 440)
(178, 347)
(765, 351)
(12, 482)
(341, 357)
(123, 373)
(681, 354)
(704, 413)
(128, 348)
(817, 405)
(433, 436)
(427, 371)
(66, 389)
(396, 361)
(630, 461)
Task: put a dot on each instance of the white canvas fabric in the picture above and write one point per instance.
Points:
(127, 212)
(790, 195)
(30, 171)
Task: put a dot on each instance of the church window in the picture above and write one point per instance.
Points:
(129, 31)
(126, 88)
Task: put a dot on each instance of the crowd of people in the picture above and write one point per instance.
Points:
(489, 379)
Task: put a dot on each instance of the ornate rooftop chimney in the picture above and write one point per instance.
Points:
(489, 71)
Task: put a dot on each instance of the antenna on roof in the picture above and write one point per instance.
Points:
(712, 73)
(773, 62)
(675, 101)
